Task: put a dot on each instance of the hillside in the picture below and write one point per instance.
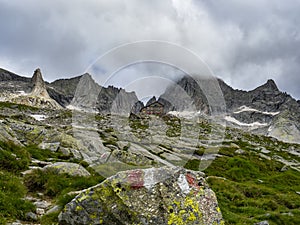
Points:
(57, 164)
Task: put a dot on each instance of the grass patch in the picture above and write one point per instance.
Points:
(51, 218)
(44, 154)
(255, 190)
(58, 186)
(12, 206)
(53, 184)
(192, 164)
(17, 106)
(13, 158)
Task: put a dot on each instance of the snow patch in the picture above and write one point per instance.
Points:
(185, 114)
(71, 107)
(75, 108)
(248, 109)
(39, 117)
(22, 93)
(233, 120)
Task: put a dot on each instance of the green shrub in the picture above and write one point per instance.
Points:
(53, 184)
(44, 154)
(192, 164)
(13, 158)
(51, 218)
(12, 191)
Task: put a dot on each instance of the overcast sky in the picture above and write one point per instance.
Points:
(244, 42)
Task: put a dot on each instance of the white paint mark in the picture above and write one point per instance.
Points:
(183, 184)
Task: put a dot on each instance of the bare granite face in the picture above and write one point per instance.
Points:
(151, 196)
(39, 88)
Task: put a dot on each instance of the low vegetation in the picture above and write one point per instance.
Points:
(12, 204)
(53, 184)
(14, 187)
(251, 189)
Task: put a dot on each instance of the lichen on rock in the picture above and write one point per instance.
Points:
(72, 169)
(149, 196)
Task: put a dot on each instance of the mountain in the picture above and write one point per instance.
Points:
(63, 90)
(6, 75)
(265, 110)
(91, 96)
(11, 83)
(112, 169)
(185, 96)
(78, 92)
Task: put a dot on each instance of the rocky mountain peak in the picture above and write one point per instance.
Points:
(151, 100)
(6, 75)
(86, 93)
(270, 85)
(39, 86)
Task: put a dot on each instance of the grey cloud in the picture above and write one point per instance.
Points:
(244, 42)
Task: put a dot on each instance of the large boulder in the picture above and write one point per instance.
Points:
(72, 169)
(150, 196)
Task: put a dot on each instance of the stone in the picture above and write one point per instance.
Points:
(72, 169)
(31, 216)
(170, 157)
(146, 196)
(54, 209)
(132, 158)
(233, 145)
(40, 194)
(123, 145)
(42, 204)
(284, 168)
(16, 223)
(76, 153)
(265, 151)
(65, 151)
(40, 211)
(51, 146)
(239, 151)
(262, 223)
(40, 163)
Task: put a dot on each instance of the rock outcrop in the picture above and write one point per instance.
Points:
(90, 96)
(151, 196)
(86, 93)
(186, 95)
(39, 96)
(39, 88)
(151, 100)
(72, 169)
(11, 84)
(136, 108)
(63, 90)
